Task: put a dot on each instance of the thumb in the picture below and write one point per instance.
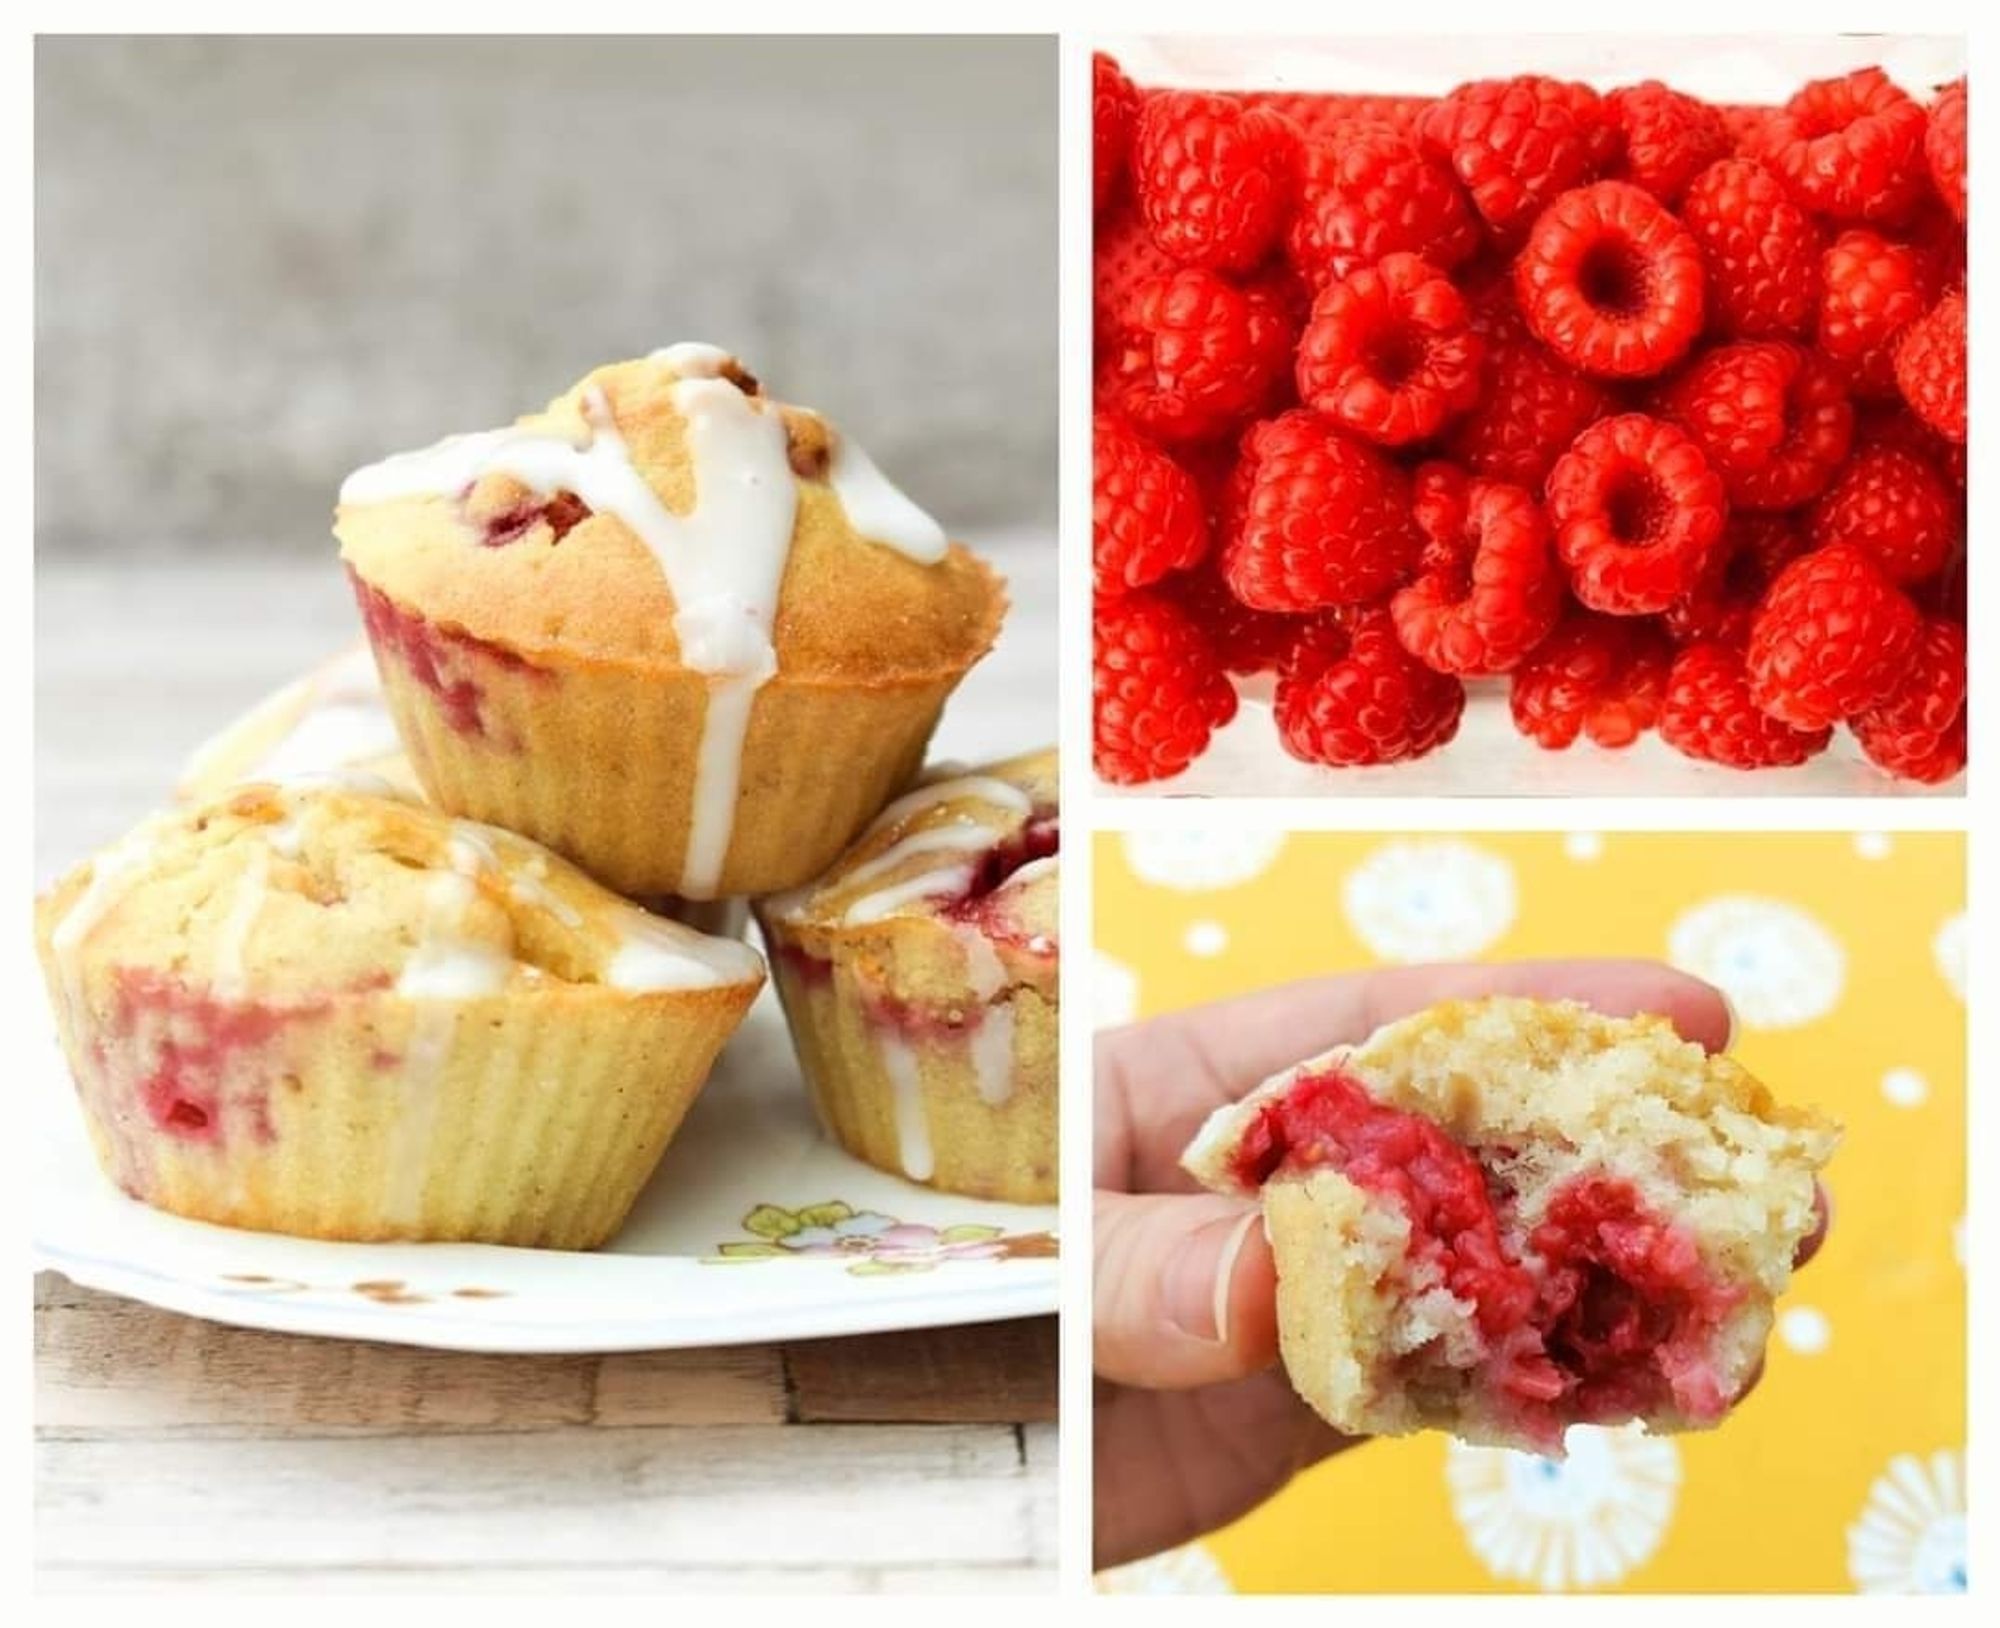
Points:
(1184, 1290)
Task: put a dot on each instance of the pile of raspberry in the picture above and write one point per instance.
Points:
(1651, 409)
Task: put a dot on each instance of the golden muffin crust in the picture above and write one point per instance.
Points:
(312, 889)
(562, 588)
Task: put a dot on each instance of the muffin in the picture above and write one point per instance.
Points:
(316, 1011)
(919, 979)
(1504, 1217)
(685, 634)
(332, 720)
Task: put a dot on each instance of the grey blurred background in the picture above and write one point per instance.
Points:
(260, 262)
(263, 261)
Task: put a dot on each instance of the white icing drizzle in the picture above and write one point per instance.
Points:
(878, 509)
(964, 836)
(444, 968)
(244, 909)
(724, 560)
(984, 970)
(913, 1132)
(992, 1046)
(446, 964)
(886, 901)
(973, 787)
(654, 953)
(1033, 871)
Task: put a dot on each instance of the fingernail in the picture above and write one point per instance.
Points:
(1198, 1283)
(1735, 1021)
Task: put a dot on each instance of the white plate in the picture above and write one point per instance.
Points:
(685, 1271)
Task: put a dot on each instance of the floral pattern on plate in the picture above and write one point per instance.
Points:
(873, 1243)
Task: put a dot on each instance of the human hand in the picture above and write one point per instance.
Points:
(1195, 1423)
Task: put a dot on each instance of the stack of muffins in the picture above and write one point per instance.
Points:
(668, 643)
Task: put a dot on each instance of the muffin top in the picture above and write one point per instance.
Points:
(666, 512)
(343, 887)
(332, 718)
(971, 848)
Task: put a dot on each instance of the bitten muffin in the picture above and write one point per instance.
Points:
(1504, 1217)
(683, 633)
(919, 978)
(332, 720)
(317, 1011)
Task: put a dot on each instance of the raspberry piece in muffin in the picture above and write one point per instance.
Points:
(1501, 1218)
(919, 976)
(320, 1011)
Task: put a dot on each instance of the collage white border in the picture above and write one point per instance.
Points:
(1079, 22)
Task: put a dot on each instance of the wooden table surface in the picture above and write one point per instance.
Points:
(173, 1452)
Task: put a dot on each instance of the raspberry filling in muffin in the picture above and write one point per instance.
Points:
(920, 974)
(1504, 1217)
(1597, 1310)
(445, 661)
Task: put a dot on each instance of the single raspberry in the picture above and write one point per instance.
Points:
(1918, 730)
(1598, 676)
(1353, 695)
(1872, 289)
(1944, 146)
(1850, 148)
(1316, 518)
(1320, 115)
(1244, 640)
(1637, 512)
(1367, 191)
(1489, 588)
(1214, 178)
(1930, 367)
(1761, 251)
(1114, 106)
(1530, 407)
(1831, 639)
(1516, 144)
(1146, 516)
(1893, 505)
(1666, 138)
(1123, 257)
(1773, 420)
(1723, 603)
(1193, 356)
(1611, 282)
(1389, 352)
(1707, 713)
(1892, 424)
(1157, 691)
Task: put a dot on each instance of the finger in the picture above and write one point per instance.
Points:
(1158, 1081)
(1822, 1219)
(1184, 1290)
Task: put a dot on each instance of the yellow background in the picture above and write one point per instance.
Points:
(1765, 1502)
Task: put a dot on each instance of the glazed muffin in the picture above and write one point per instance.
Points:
(685, 634)
(1504, 1217)
(318, 1011)
(919, 978)
(332, 720)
